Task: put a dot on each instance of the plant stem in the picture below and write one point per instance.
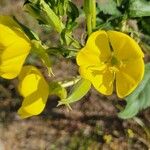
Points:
(93, 14)
(90, 13)
(53, 20)
(66, 84)
(89, 25)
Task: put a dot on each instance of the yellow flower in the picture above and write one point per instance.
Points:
(35, 90)
(111, 58)
(14, 47)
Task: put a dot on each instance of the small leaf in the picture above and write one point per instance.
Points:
(31, 35)
(119, 2)
(62, 7)
(145, 25)
(41, 52)
(72, 11)
(139, 99)
(58, 6)
(68, 40)
(139, 8)
(44, 14)
(56, 89)
(108, 7)
(79, 90)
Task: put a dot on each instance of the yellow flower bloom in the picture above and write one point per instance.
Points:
(35, 90)
(110, 58)
(14, 47)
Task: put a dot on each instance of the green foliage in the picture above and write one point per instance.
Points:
(139, 99)
(79, 90)
(40, 10)
(56, 89)
(108, 7)
(72, 11)
(90, 13)
(146, 25)
(59, 6)
(40, 51)
(72, 14)
(62, 15)
(50, 13)
(111, 14)
(139, 8)
(31, 35)
(119, 2)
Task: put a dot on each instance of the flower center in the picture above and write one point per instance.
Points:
(114, 61)
(114, 64)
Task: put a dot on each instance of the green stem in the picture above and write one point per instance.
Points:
(50, 17)
(56, 23)
(66, 84)
(40, 51)
(118, 3)
(93, 13)
(90, 13)
(74, 43)
(89, 25)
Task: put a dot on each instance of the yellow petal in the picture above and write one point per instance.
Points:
(14, 48)
(95, 61)
(9, 29)
(101, 77)
(7, 36)
(96, 51)
(34, 89)
(129, 76)
(12, 59)
(87, 58)
(125, 48)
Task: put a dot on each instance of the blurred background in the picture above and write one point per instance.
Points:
(91, 125)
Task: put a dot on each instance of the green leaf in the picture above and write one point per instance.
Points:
(56, 89)
(79, 90)
(144, 25)
(139, 99)
(72, 11)
(139, 8)
(58, 6)
(119, 2)
(62, 6)
(31, 35)
(108, 7)
(44, 14)
(40, 51)
(41, 10)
